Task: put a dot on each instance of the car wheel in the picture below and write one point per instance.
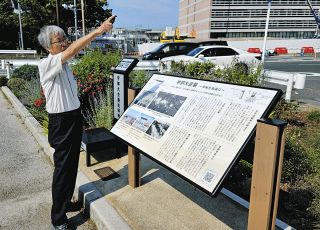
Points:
(242, 68)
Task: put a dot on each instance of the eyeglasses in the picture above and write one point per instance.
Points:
(60, 42)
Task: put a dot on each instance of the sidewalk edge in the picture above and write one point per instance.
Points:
(98, 207)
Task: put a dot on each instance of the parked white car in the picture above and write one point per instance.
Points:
(221, 56)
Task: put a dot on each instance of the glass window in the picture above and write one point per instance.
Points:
(225, 52)
(170, 48)
(208, 53)
(184, 46)
(194, 51)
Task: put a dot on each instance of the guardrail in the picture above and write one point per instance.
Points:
(18, 52)
(147, 65)
(291, 80)
(11, 64)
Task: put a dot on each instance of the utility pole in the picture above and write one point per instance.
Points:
(83, 22)
(266, 32)
(21, 35)
(75, 18)
(74, 8)
(57, 11)
(18, 11)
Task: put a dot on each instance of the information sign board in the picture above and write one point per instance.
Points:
(125, 65)
(195, 128)
(121, 84)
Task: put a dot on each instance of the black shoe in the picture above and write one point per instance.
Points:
(73, 206)
(64, 226)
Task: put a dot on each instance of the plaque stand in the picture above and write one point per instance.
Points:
(134, 163)
(266, 174)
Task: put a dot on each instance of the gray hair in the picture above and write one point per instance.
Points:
(47, 32)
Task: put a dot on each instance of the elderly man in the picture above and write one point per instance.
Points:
(65, 119)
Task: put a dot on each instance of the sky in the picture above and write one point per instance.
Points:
(149, 14)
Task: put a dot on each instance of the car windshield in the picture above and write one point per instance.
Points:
(194, 51)
(156, 50)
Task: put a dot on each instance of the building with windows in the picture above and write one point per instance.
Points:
(247, 18)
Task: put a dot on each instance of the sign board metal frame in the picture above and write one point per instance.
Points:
(121, 84)
(206, 86)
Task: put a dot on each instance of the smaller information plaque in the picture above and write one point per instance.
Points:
(195, 128)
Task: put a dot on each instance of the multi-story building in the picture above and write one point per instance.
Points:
(246, 18)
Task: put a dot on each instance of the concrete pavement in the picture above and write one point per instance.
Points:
(25, 178)
(164, 201)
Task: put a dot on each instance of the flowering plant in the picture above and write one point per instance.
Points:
(93, 73)
(40, 102)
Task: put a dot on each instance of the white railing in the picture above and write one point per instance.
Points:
(147, 65)
(11, 64)
(18, 52)
(291, 80)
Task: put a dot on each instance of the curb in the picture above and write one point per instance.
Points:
(101, 211)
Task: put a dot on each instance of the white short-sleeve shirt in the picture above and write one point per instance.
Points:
(59, 85)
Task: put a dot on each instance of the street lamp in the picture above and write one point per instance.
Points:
(74, 8)
(266, 32)
(17, 10)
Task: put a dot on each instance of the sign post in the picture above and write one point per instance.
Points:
(134, 161)
(121, 99)
(266, 174)
(121, 85)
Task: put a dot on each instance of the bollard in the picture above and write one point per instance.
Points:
(299, 80)
(3, 64)
(8, 69)
(289, 88)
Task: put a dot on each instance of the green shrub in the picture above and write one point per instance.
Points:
(30, 92)
(200, 70)
(93, 73)
(302, 205)
(26, 72)
(3, 81)
(138, 78)
(101, 110)
(314, 116)
(312, 146)
(286, 110)
(296, 163)
(95, 66)
(236, 73)
(17, 85)
(314, 208)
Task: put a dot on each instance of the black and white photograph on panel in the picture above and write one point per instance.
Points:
(225, 117)
(143, 122)
(145, 99)
(167, 103)
(157, 129)
(130, 116)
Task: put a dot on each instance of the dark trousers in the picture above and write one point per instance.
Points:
(64, 135)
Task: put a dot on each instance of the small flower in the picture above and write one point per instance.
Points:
(38, 102)
(87, 89)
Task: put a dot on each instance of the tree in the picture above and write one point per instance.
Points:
(95, 12)
(8, 26)
(37, 13)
